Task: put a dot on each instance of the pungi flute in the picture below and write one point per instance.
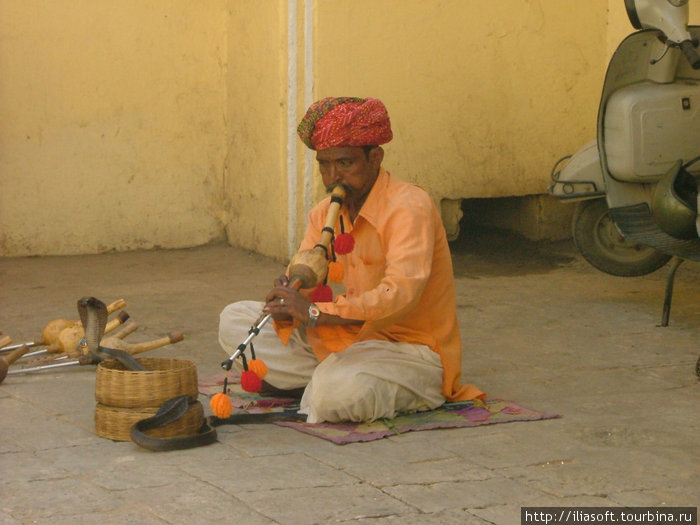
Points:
(307, 269)
(51, 332)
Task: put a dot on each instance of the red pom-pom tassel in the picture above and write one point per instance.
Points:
(322, 294)
(250, 381)
(344, 243)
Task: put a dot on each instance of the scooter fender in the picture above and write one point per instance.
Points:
(579, 176)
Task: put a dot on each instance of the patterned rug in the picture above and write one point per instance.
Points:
(450, 415)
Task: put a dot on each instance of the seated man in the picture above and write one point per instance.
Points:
(390, 343)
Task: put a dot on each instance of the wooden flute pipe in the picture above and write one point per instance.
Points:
(310, 267)
(43, 357)
(70, 337)
(117, 343)
(6, 361)
(137, 348)
(51, 332)
(127, 329)
(107, 342)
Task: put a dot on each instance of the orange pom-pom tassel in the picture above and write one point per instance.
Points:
(221, 405)
(250, 381)
(344, 243)
(322, 294)
(258, 367)
(336, 272)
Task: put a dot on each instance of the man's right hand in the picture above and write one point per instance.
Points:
(285, 303)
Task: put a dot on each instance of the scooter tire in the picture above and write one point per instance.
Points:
(599, 241)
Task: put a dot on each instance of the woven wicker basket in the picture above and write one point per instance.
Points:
(115, 423)
(165, 378)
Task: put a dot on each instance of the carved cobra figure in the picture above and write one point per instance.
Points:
(93, 315)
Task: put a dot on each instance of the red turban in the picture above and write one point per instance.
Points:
(345, 121)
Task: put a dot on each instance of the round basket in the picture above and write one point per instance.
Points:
(164, 379)
(115, 423)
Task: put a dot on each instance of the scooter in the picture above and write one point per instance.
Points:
(636, 185)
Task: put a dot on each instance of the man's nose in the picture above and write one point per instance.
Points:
(335, 174)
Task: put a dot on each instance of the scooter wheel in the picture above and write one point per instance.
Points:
(600, 242)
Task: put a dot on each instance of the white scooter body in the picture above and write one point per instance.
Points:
(648, 123)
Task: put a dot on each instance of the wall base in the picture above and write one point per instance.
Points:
(536, 217)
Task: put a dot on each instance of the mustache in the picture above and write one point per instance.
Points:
(348, 189)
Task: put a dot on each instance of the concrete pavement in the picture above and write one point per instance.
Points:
(539, 326)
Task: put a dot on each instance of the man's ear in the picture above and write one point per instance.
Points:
(376, 156)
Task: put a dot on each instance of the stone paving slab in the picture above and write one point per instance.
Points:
(553, 335)
(434, 497)
(325, 504)
(193, 501)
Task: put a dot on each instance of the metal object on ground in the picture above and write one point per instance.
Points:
(84, 360)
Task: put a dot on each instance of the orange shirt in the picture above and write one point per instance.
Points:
(398, 279)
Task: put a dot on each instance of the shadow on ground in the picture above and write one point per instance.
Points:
(480, 252)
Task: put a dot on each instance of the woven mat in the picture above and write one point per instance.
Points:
(449, 415)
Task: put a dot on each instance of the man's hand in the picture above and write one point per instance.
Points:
(285, 303)
(282, 280)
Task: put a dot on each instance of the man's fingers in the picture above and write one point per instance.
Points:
(282, 280)
(275, 302)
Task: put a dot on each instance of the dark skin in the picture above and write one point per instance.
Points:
(356, 169)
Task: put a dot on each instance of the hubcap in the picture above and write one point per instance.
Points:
(610, 240)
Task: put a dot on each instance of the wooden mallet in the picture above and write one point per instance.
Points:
(6, 361)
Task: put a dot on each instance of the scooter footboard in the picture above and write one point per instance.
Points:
(637, 224)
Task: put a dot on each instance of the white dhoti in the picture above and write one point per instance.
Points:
(368, 380)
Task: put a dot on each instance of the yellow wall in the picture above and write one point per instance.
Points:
(112, 127)
(483, 95)
(255, 181)
(127, 124)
